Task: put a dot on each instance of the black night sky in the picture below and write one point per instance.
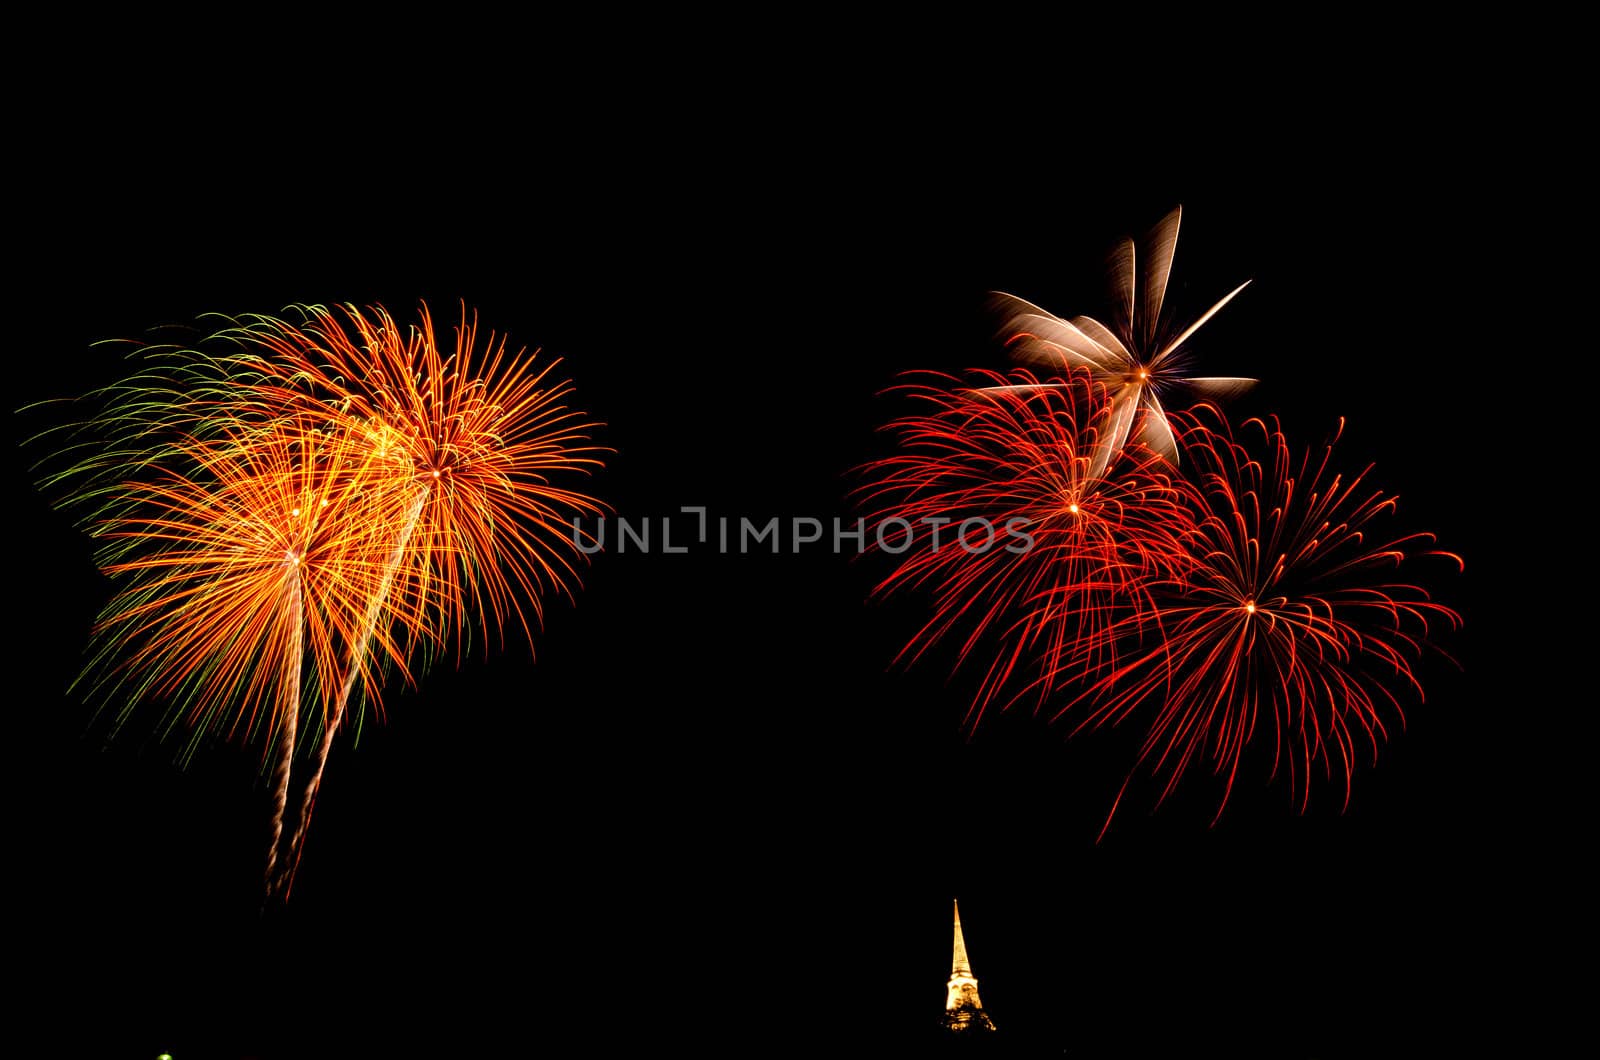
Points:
(711, 810)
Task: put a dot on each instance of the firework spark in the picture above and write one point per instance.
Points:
(1295, 613)
(1010, 451)
(1140, 358)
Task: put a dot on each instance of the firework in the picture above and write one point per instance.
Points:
(1295, 619)
(318, 503)
(1012, 452)
(471, 439)
(1140, 358)
(242, 577)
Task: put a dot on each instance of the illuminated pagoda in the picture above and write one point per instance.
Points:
(963, 1011)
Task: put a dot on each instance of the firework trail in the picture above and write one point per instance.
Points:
(1140, 358)
(1012, 452)
(1295, 616)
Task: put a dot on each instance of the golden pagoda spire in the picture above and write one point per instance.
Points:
(963, 1011)
(959, 964)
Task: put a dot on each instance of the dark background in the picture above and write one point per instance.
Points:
(711, 809)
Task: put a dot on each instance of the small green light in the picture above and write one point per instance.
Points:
(164, 1056)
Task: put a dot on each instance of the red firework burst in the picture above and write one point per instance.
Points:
(1293, 612)
(1070, 553)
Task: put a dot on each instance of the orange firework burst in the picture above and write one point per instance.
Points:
(1077, 551)
(476, 435)
(324, 497)
(209, 556)
(244, 579)
(471, 439)
(1294, 614)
